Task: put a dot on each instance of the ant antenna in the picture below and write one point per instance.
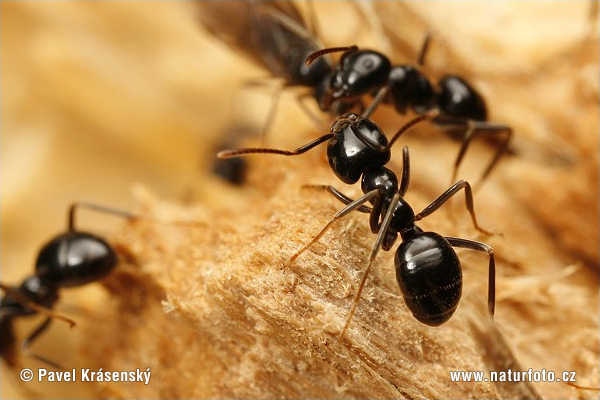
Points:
(387, 219)
(428, 115)
(313, 56)
(34, 306)
(228, 153)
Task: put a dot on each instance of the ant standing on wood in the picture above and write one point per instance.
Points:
(276, 37)
(427, 268)
(461, 108)
(71, 259)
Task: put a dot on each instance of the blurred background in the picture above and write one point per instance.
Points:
(98, 98)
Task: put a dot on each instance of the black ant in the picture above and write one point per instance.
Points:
(461, 108)
(70, 259)
(275, 36)
(427, 268)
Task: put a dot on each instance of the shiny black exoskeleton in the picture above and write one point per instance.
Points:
(428, 269)
(356, 143)
(71, 259)
(363, 72)
(461, 109)
(358, 73)
(429, 274)
(353, 145)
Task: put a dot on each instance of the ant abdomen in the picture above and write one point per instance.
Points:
(429, 274)
(75, 259)
(459, 101)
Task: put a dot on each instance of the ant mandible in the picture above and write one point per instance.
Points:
(461, 108)
(70, 259)
(427, 268)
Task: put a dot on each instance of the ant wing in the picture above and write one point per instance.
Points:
(235, 23)
(272, 34)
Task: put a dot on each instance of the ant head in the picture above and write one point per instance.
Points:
(358, 73)
(409, 87)
(356, 144)
(74, 259)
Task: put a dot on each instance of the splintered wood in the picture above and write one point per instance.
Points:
(206, 300)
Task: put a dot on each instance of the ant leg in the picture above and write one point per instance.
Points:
(120, 213)
(382, 231)
(301, 99)
(271, 114)
(302, 149)
(429, 115)
(405, 171)
(368, 12)
(32, 337)
(7, 339)
(340, 214)
(478, 246)
(377, 147)
(278, 87)
(379, 97)
(288, 22)
(25, 301)
(475, 129)
(98, 208)
(313, 23)
(424, 49)
(444, 197)
(338, 195)
(374, 212)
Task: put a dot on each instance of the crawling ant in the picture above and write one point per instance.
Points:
(461, 108)
(275, 36)
(427, 268)
(73, 258)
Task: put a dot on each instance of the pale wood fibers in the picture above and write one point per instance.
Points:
(211, 307)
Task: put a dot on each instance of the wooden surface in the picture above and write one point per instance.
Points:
(102, 98)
